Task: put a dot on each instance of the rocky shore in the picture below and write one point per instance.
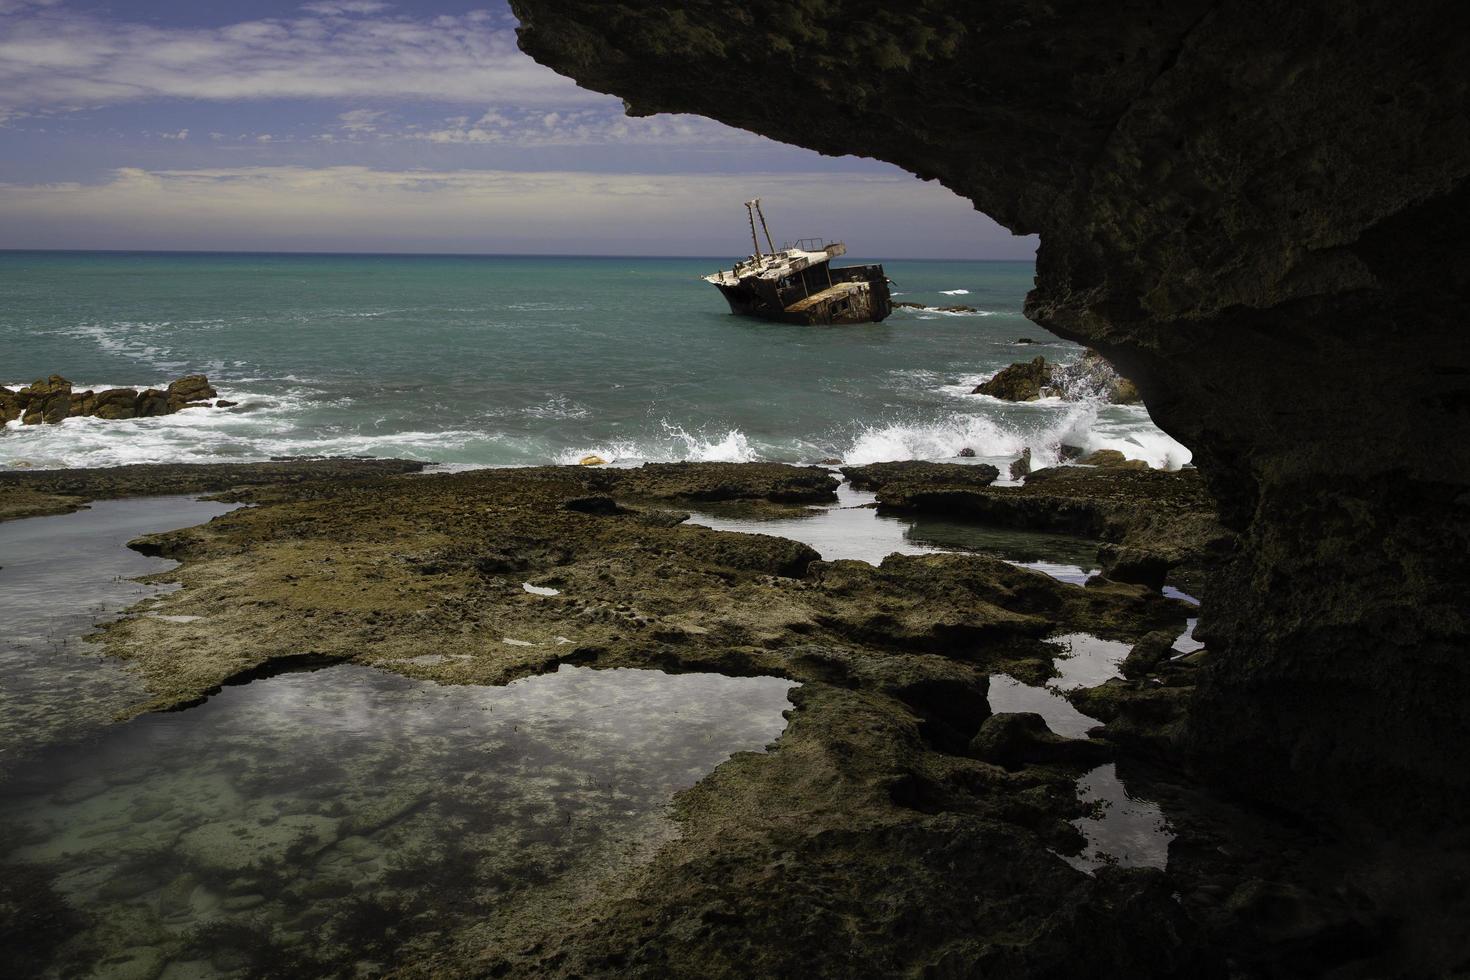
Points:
(895, 788)
(52, 400)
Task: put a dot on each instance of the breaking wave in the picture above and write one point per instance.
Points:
(1087, 426)
(675, 445)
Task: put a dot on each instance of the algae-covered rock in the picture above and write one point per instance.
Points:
(1013, 739)
(188, 389)
(1147, 654)
(1112, 458)
(1021, 382)
(116, 403)
(918, 473)
(151, 403)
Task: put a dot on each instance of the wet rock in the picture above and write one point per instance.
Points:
(151, 403)
(45, 400)
(188, 389)
(1137, 565)
(225, 403)
(776, 482)
(11, 406)
(1154, 514)
(1015, 739)
(51, 400)
(966, 453)
(1113, 459)
(1021, 468)
(1021, 382)
(116, 403)
(1147, 654)
(1091, 377)
(592, 459)
(598, 505)
(917, 473)
(83, 403)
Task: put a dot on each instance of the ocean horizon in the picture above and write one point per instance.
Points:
(503, 360)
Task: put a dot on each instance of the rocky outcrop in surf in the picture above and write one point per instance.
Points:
(52, 400)
(1090, 377)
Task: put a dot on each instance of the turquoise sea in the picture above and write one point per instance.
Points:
(475, 360)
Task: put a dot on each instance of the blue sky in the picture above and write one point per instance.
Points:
(366, 125)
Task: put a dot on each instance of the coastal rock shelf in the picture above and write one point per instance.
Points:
(371, 661)
(52, 400)
(1257, 212)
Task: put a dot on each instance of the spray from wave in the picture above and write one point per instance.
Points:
(1085, 426)
(676, 444)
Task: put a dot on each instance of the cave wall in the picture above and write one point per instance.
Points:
(1256, 210)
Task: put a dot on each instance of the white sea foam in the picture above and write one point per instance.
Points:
(676, 444)
(955, 292)
(1042, 427)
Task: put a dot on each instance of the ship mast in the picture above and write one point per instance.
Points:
(750, 213)
(762, 215)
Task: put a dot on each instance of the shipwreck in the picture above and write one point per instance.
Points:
(797, 283)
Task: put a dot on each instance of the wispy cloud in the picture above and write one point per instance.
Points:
(485, 210)
(53, 57)
(343, 8)
(540, 127)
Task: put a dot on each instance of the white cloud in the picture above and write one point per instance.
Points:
(182, 134)
(343, 8)
(361, 120)
(359, 208)
(52, 57)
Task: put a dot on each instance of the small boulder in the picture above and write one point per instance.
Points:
(1136, 565)
(116, 403)
(1147, 654)
(189, 388)
(225, 403)
(11, 406)
(966, 453)
(1021, 382)
(151, 403)
(83, 403)
(1012, 739)
(1021, 468)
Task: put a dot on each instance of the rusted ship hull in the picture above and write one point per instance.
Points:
(817, 295)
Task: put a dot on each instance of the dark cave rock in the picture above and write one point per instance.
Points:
(1255, 211)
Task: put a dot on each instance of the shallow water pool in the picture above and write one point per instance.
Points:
(349, 815)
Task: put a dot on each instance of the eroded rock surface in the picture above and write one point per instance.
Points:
(1257, 212)
(864, 810)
